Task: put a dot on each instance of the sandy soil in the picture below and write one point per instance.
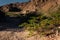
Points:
(10, 35)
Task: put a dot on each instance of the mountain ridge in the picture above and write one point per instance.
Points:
(32, 5)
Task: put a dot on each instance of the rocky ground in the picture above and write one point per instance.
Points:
(23, 35)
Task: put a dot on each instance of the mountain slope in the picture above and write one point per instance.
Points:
(32, 5)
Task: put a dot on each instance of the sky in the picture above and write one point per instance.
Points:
(4, 2)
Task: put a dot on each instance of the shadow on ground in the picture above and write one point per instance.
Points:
(11, 23)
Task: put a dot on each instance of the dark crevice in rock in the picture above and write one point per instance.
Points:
(14, 9)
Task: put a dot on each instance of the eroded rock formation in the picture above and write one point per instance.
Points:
(32, 5)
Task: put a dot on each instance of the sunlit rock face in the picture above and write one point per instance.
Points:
(30, 6)
(58, 1)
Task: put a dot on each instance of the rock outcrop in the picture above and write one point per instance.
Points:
(32, 5)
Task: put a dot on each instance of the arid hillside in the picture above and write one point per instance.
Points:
(32, 20)
(32, 5)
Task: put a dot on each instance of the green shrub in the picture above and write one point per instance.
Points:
(41, 22)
